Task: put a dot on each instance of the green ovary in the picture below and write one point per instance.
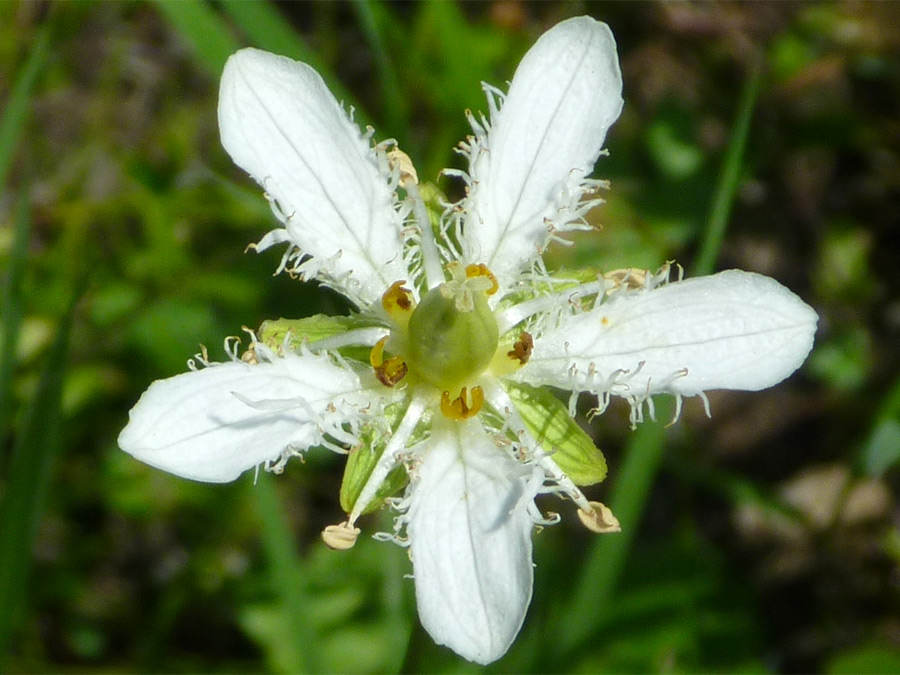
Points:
(448, 346)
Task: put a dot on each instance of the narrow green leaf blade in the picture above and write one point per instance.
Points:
(15, 110)
(11, 310)
(28, 478)
(595, 586)
(287, 579)
(207, 33)
(372, 16)
(729, 179)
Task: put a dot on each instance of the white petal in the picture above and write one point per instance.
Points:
(566, 93)
(213, 424)
(470, 541)
(733, 330)
(280, 123)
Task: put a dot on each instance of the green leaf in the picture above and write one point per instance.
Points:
(676, 156)
(362, 460)
(599, 576)
(549, 421)
(596, 583)
(267, 28)
(373, 19)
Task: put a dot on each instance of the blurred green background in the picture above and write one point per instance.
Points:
(763, 136)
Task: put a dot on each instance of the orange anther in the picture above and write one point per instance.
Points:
(522, 349)
(481, 270)
(388, 371)
(398, 302)
(376, 356)
(460, 408)
(391, 371)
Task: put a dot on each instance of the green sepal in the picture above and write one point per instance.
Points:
(549, 422)
(273, 333)
(362, 460)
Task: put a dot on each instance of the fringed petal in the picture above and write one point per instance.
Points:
(470, 540)
(733, 330)
(529, 166)
(214, 423)
(280, 123)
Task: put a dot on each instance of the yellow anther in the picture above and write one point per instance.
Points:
(398, 303)
(460, 408)
(522, 349)
(391, 371)
(481, 270)
(388, 371)
(376, 356)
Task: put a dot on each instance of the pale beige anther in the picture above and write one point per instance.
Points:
(599, 519)
(340, 537)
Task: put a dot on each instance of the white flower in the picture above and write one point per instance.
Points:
(462, 326)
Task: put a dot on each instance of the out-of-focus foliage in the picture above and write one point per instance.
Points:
(769, 539)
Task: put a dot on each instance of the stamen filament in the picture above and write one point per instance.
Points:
(365, 337)
(431, 256)
(389, 457)
(509, 317)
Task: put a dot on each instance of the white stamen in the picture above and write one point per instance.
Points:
(431, 256)
(366, 337)
(509, 317)
(390, 456)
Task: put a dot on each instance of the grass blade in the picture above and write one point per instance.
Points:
(207, 33)
(729, 178)
(27, 481)
(266, 28)
(601, 570)
(285, 575)
(11, 311)
(394, 109)
(15, 112)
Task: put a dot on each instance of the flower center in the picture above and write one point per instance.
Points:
(452, 332)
